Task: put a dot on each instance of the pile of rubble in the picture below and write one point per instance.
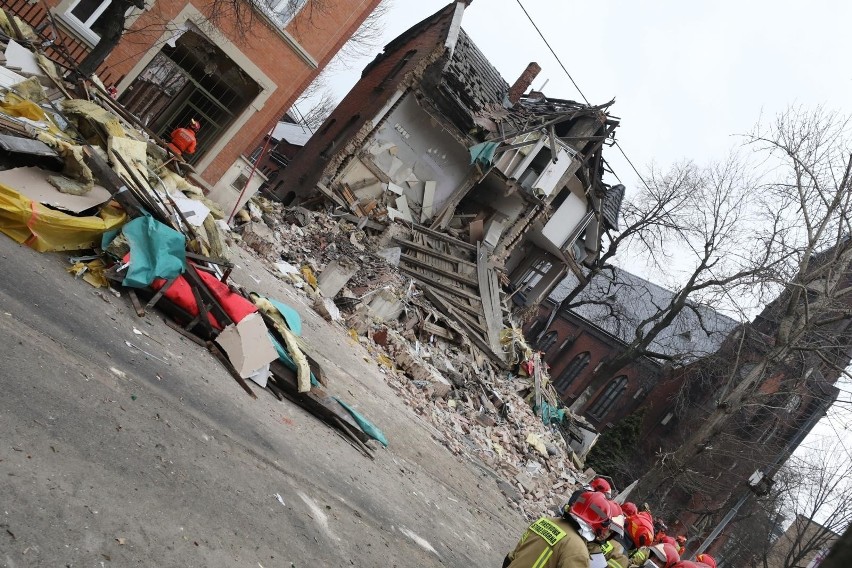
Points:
(480, 411)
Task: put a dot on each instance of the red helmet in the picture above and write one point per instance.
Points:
(592, 510)
(706, 559)
(665, 539)
(195, 125)
(601, 485)
(629, 508)
(666, 553)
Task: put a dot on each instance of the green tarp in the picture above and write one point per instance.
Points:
(156, 251)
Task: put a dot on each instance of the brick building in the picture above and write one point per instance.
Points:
(597, 325)
(700, 353)
(178, 60)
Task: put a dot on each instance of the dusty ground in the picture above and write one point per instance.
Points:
(112, 457)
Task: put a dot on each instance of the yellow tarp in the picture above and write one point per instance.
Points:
(44, 229)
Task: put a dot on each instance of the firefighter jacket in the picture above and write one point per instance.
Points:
(615, 555)
(184, 140)
(550, 543)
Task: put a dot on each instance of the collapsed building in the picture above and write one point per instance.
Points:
(500, 189)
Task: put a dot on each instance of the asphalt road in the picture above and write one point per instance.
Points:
(113, 457)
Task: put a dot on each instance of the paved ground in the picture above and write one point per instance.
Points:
(110, 457)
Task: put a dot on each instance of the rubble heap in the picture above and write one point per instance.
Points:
(479, 411)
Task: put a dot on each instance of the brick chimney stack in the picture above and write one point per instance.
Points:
(524, 81)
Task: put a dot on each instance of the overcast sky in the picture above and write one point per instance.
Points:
(686, 76)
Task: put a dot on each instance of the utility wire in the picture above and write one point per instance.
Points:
(579, 90)
(541, 35)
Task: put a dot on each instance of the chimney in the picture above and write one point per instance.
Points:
(524, 81)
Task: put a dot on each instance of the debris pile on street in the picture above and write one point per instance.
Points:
(480, 410)
(81, 173)
(427, 306)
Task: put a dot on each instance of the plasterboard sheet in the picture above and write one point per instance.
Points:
(22, 58)
(247, 345)
(32, 183)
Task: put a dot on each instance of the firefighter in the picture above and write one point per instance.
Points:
(614, 549)
(681, 545)
(663, 555)
(183, 139)
(598, 484)
(561, 542)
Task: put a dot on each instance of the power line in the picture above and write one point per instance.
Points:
(541, 35)
(579, 90)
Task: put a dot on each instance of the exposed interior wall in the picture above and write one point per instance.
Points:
(565, 219)
(411, 149)
(226, 194)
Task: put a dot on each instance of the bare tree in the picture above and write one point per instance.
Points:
(817, 505)
(708, 212)
(802, 336)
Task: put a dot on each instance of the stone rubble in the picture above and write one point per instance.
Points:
(479, 412)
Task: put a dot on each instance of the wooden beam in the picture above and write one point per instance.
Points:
(437, 299)
(490, 304)
(432, 252)
(440, 271)
(445, 237)
(429, 281)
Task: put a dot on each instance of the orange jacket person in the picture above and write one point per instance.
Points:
(183, 139)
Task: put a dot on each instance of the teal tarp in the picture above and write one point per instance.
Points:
(156, 251)
(368, 427)
(483, 153)
(291, 316)
(551, 414)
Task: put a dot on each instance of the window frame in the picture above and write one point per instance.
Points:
(576, 366)
(603, 404)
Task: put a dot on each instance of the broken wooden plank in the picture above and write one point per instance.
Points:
(137, 305)
(445, 237)
(214, 349)
(491, 306)
(445, 273)
(316, 401)
(431, 281)
(433, 252)
(331, 195)
(191, 336)
(439, 301)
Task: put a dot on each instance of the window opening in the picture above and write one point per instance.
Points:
(605, 401)
(572, 371)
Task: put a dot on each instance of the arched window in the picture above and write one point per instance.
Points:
(604, 403)
(572, 370)
(547, 341)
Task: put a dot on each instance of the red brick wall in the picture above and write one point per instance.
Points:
(361, 104)
(320, 34)
(599, 347)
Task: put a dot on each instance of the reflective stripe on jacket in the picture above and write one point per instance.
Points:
(550, 543)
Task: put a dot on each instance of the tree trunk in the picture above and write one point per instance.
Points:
(113, 17)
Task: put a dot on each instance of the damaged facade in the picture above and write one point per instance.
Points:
(178, 60)
(432, 135)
